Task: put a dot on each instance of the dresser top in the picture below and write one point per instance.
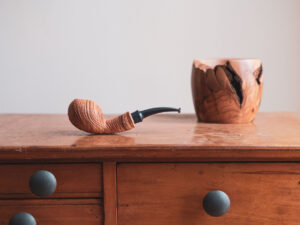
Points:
(272, 136)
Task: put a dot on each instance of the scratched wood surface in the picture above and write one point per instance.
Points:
(272, 136)
(73, 180)
(172, 193)
(55, 212)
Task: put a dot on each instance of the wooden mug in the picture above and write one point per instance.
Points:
(227, 90)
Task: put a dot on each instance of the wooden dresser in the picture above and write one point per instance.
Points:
(156, 174)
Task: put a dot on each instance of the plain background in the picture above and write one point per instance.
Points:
(133, 54)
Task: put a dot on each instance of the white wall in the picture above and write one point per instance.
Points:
(133, 54)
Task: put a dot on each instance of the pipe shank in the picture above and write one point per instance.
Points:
(119, 124)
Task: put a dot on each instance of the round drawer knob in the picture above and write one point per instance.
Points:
(22, 218)
(42, 183)
(216, 203)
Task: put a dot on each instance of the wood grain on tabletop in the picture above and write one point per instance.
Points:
(274, 136)
(172, 193)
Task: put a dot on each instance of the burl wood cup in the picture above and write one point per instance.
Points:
(227, 90)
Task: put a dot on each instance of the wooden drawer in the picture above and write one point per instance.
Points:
(55, 212)
(172, 193)
(73, 180)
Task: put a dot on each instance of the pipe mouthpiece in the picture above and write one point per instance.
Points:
(138, 116)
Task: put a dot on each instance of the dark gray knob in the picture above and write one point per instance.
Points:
(22, 218)
(216, 203)
(42, 183)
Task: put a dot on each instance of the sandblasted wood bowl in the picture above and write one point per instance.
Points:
(227, 90)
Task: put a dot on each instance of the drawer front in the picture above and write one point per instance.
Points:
(55, 212)
(73, 180)
(166, 193)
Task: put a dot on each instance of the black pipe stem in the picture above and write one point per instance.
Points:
(138, 116)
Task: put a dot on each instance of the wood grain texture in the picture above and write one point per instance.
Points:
(272, 136)
(55, 212)
(110, 193)
(73, 180)
(86, 115)
(227, 90)
(172, 193)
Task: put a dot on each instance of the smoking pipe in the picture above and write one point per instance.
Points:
(86, 115)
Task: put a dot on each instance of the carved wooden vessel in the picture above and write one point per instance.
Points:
(227, 90)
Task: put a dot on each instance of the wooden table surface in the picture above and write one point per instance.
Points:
(188, 160)
(169, 137)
